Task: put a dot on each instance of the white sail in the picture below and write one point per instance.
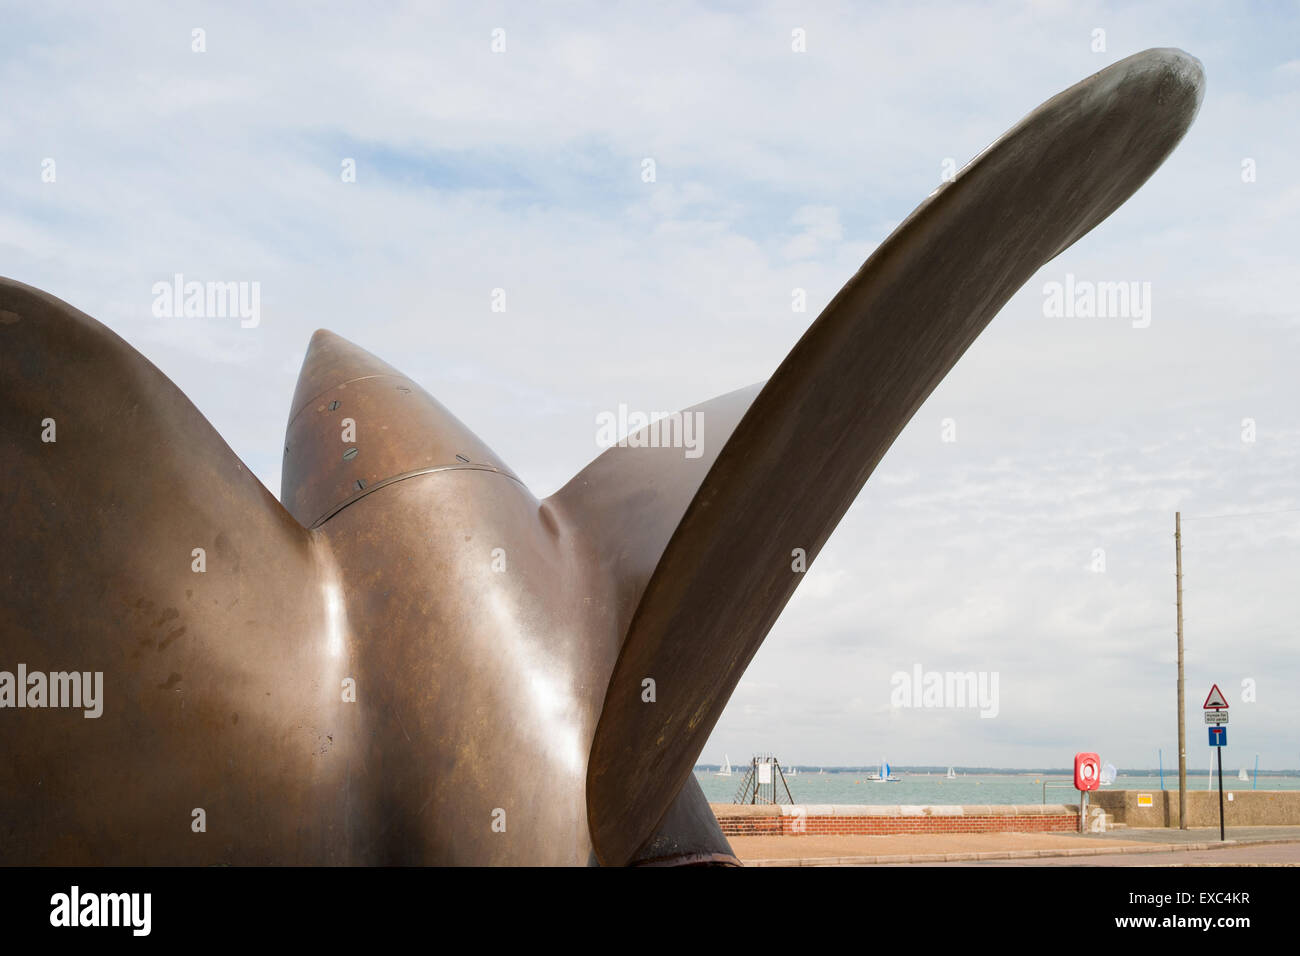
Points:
(725, 769)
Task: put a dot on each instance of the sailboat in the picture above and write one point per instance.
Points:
(952, 774)
(1242, 775)
(793, 772)
(725, 769)
(883, 775)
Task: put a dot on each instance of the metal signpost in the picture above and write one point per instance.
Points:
(1216, 714)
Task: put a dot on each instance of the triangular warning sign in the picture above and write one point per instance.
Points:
(1215, 701)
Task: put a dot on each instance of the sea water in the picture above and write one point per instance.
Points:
(853, 787)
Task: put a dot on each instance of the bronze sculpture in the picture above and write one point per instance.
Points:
(415, 661)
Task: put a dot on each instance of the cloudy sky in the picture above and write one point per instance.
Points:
(1038, 545)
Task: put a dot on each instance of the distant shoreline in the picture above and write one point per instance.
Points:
(985, 771)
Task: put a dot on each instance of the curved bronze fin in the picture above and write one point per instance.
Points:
(627, 502)
(112, 480)
(688, 835)
(825, 419)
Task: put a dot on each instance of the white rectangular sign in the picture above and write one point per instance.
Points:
(1216, 716)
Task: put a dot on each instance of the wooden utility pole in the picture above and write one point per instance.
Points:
(1182, 707)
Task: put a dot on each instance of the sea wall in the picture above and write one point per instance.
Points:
(828, 819)
(1159, 808)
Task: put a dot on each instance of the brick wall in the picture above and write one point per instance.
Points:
(740, 820)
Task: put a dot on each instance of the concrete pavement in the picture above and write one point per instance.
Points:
(1138, 847)
(1232, 855)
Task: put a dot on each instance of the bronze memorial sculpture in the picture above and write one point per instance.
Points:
(413, 660)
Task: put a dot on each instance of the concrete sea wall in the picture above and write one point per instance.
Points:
(1159, 808)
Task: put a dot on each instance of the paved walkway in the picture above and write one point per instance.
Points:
(1250, 854)
(1200, 834)
(1155, 847)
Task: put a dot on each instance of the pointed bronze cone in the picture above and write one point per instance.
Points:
(357, 425)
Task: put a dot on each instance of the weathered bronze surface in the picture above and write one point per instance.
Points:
(496, 645)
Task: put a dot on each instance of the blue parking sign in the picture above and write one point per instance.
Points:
(1218, 736)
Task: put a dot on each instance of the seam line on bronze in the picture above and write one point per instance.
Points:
(307, 404)
(402, 477)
